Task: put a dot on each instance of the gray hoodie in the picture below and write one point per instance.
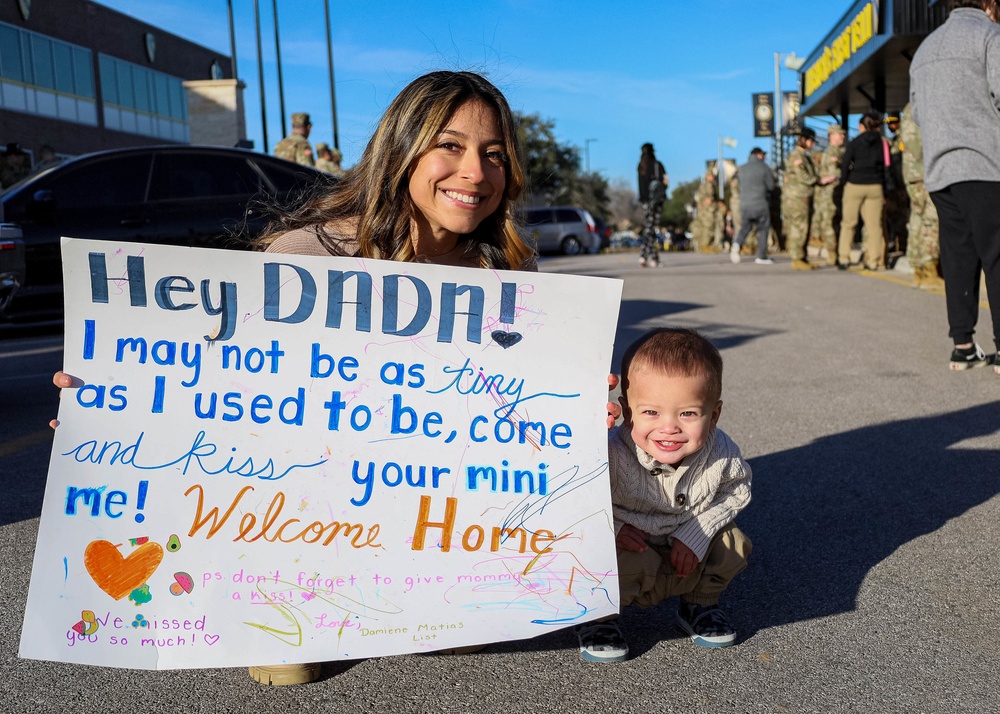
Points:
(955, 96)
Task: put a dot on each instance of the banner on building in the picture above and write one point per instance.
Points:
(763, 114)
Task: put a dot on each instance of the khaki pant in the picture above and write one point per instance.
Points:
(647, 579)
(864, 201)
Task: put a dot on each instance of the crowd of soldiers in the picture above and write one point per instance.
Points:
(807, 205)
(295, 147)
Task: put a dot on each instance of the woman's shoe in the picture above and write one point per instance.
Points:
(282, 675)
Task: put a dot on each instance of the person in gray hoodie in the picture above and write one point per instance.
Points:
(756, 185)
(955, 98)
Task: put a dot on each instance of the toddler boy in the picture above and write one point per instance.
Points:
(677, 483)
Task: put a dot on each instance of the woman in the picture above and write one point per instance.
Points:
(863, 167)
(436, 184)
(653, 182)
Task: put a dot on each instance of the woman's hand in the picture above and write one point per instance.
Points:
(614, 409)
(63, 381)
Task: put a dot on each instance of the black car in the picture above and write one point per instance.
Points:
(175, 195)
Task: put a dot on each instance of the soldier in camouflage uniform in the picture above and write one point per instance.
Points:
(796, 198)
(827, 197)
(922, 249)
(328, 160)
(703, 227)
(295, 147)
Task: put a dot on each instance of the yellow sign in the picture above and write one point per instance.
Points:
(854, 36)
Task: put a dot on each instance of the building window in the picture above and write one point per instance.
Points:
(142, 101)
(42, 75)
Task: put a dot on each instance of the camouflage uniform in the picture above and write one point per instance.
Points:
(328, 165)
(922, 249)
(734, 201)
(295, 147)
(827, 198)
(703, 227)
(796, 197)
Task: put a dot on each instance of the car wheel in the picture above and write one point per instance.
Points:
(571, 246)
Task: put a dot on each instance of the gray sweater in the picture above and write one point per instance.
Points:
(955, 96)
(690, 502)
(756, 185)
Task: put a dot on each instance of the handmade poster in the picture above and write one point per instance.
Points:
(276, 459)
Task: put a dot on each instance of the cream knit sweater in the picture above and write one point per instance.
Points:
(691, 502)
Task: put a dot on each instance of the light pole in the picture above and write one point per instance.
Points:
(329, 60)
(586, 151)
(794, 63)
(721, 168)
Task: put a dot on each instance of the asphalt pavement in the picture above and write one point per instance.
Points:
(873, 585)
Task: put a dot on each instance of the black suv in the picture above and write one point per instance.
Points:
(177, 195)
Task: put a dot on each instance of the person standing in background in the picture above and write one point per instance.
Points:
(328, 160)
(796, 198)
(955, 100)
(922, 249)
(827, 198)
(653, 182)
(756, 186)
(864, 169)
(295, 147)
(704, 219)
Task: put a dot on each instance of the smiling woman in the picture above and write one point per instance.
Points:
(436, 183)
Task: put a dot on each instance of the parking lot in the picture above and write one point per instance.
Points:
(873, 585)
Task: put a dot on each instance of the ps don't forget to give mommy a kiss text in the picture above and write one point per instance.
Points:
(275, 458)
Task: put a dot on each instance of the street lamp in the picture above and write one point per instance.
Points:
(794, 63)
(720, 167)
(586, 151)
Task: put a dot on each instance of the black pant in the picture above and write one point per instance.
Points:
(762, 219)
(970, 241)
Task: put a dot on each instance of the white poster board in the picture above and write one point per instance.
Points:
(278, 459)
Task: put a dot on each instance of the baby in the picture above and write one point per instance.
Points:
(677, 483)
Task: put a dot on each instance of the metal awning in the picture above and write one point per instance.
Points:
(864, 62)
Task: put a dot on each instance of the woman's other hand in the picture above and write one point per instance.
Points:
(63, 381)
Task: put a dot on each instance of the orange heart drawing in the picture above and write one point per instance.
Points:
(118, 576)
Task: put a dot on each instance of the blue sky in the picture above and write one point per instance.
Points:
(677, 73)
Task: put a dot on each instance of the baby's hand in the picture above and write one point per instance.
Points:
(682, 559)
(631, 538)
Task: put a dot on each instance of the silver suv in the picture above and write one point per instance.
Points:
(561, 229)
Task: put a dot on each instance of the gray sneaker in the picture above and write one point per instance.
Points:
(601, 642)
(734, 254)
(764, 261)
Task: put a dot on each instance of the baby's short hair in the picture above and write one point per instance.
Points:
(675, 350)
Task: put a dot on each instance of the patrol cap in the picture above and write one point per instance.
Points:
(835, 129)
(335, 152)
(807, 133)
(321, 147)
(300, 119)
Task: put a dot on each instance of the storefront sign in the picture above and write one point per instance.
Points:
(852, 38)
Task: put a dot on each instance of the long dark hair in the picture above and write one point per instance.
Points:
(647, 162)
(375, 193)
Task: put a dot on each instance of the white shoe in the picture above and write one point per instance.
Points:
(734, 254)
(764, 261)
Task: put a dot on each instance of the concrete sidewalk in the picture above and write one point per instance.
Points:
(873, 586)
